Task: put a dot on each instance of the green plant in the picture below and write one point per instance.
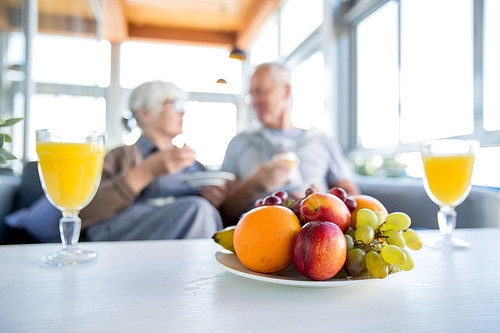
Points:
(4, 154)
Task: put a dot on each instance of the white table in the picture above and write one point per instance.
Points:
(175, 286)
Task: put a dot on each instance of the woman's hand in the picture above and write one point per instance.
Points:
(170, 161)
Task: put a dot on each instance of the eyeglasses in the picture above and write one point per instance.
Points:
(177, 105)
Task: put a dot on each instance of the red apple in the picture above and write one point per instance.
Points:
(319, 250)
(325, 207)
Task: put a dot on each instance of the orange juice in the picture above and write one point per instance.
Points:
(71, 172)
(448, 176)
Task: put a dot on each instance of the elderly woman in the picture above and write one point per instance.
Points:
(140, 196)
(126, 206)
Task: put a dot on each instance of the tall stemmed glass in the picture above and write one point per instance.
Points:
(70, 168)
(448, 168)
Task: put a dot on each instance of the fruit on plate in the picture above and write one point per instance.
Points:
(263, 238)
(325, 207)
(366, 201)
(224, 238)
(319, 250)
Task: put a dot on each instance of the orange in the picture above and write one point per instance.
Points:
(366, 201)
(263, 238)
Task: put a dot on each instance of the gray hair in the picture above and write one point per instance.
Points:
(278, 72)
(152, 95)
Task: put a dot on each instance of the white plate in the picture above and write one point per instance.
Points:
(289, 276)
(207, 178)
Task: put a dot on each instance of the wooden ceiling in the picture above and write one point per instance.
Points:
(206, 22)
(225, 23)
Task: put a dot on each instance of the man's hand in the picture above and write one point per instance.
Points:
(270, 175)
(215, 194)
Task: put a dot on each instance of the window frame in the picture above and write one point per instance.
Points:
(349, 18)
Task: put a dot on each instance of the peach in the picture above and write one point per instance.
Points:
(325, 207)
(319, 250)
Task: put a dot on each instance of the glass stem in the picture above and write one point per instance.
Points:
(69, 228)
(447, 219)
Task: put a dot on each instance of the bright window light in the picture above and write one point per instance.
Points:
(299, 19)
(265, 48)
(64, 111)
(207, 128)
(308, 81)
(491, 72)
(377, 78)
(436, 69)
(71, 60)
(192, 68)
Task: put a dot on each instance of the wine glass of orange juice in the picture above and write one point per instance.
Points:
(448, 168)
(70, 168)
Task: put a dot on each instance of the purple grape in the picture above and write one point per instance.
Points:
(258, 202)
(272, 200)
(283, 195)
(338, 192)
(350, 203)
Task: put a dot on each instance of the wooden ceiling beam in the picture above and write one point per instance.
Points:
(253, 21)
(115, 23)
(184, 36)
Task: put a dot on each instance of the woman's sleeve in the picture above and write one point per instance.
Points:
(113, 194)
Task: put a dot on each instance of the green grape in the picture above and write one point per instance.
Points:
(412, 239)
(394, 237)
(367, 217)
(364, 233)
(409, 264)
(355, 262)
(381, 218)
(398, 221)
(349, 243)
(350, 232)
(376, 265)
(393, 255)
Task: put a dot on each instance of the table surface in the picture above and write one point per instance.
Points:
(176, 286)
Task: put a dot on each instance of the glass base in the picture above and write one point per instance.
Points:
(68, 258)
(447, 243)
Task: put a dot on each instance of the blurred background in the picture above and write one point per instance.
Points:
(380, 75)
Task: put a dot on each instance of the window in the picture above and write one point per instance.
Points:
(298, 20)
(436, 69)
(491, 72)
(71, 60)
(207, 128)
(265, 48)
(192, 68)
(378, 78)
(308, 108)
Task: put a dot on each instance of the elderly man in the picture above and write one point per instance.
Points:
(252, 155)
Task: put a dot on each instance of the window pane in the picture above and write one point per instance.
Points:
(207, 128)
(71, 60)
(299, 19)
(308, 100)
(265, 48)
(491, 108)
(436, 69)
(191, 68)
(52, 111)
(377, 78)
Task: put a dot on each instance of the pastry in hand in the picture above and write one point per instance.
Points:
(288, 157)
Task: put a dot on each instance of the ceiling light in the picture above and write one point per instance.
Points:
(221, 81)
(237, 54)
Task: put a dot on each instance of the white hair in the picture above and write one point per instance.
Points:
(278, 72)
(152, 96)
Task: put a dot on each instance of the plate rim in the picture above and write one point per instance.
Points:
(329, 283)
